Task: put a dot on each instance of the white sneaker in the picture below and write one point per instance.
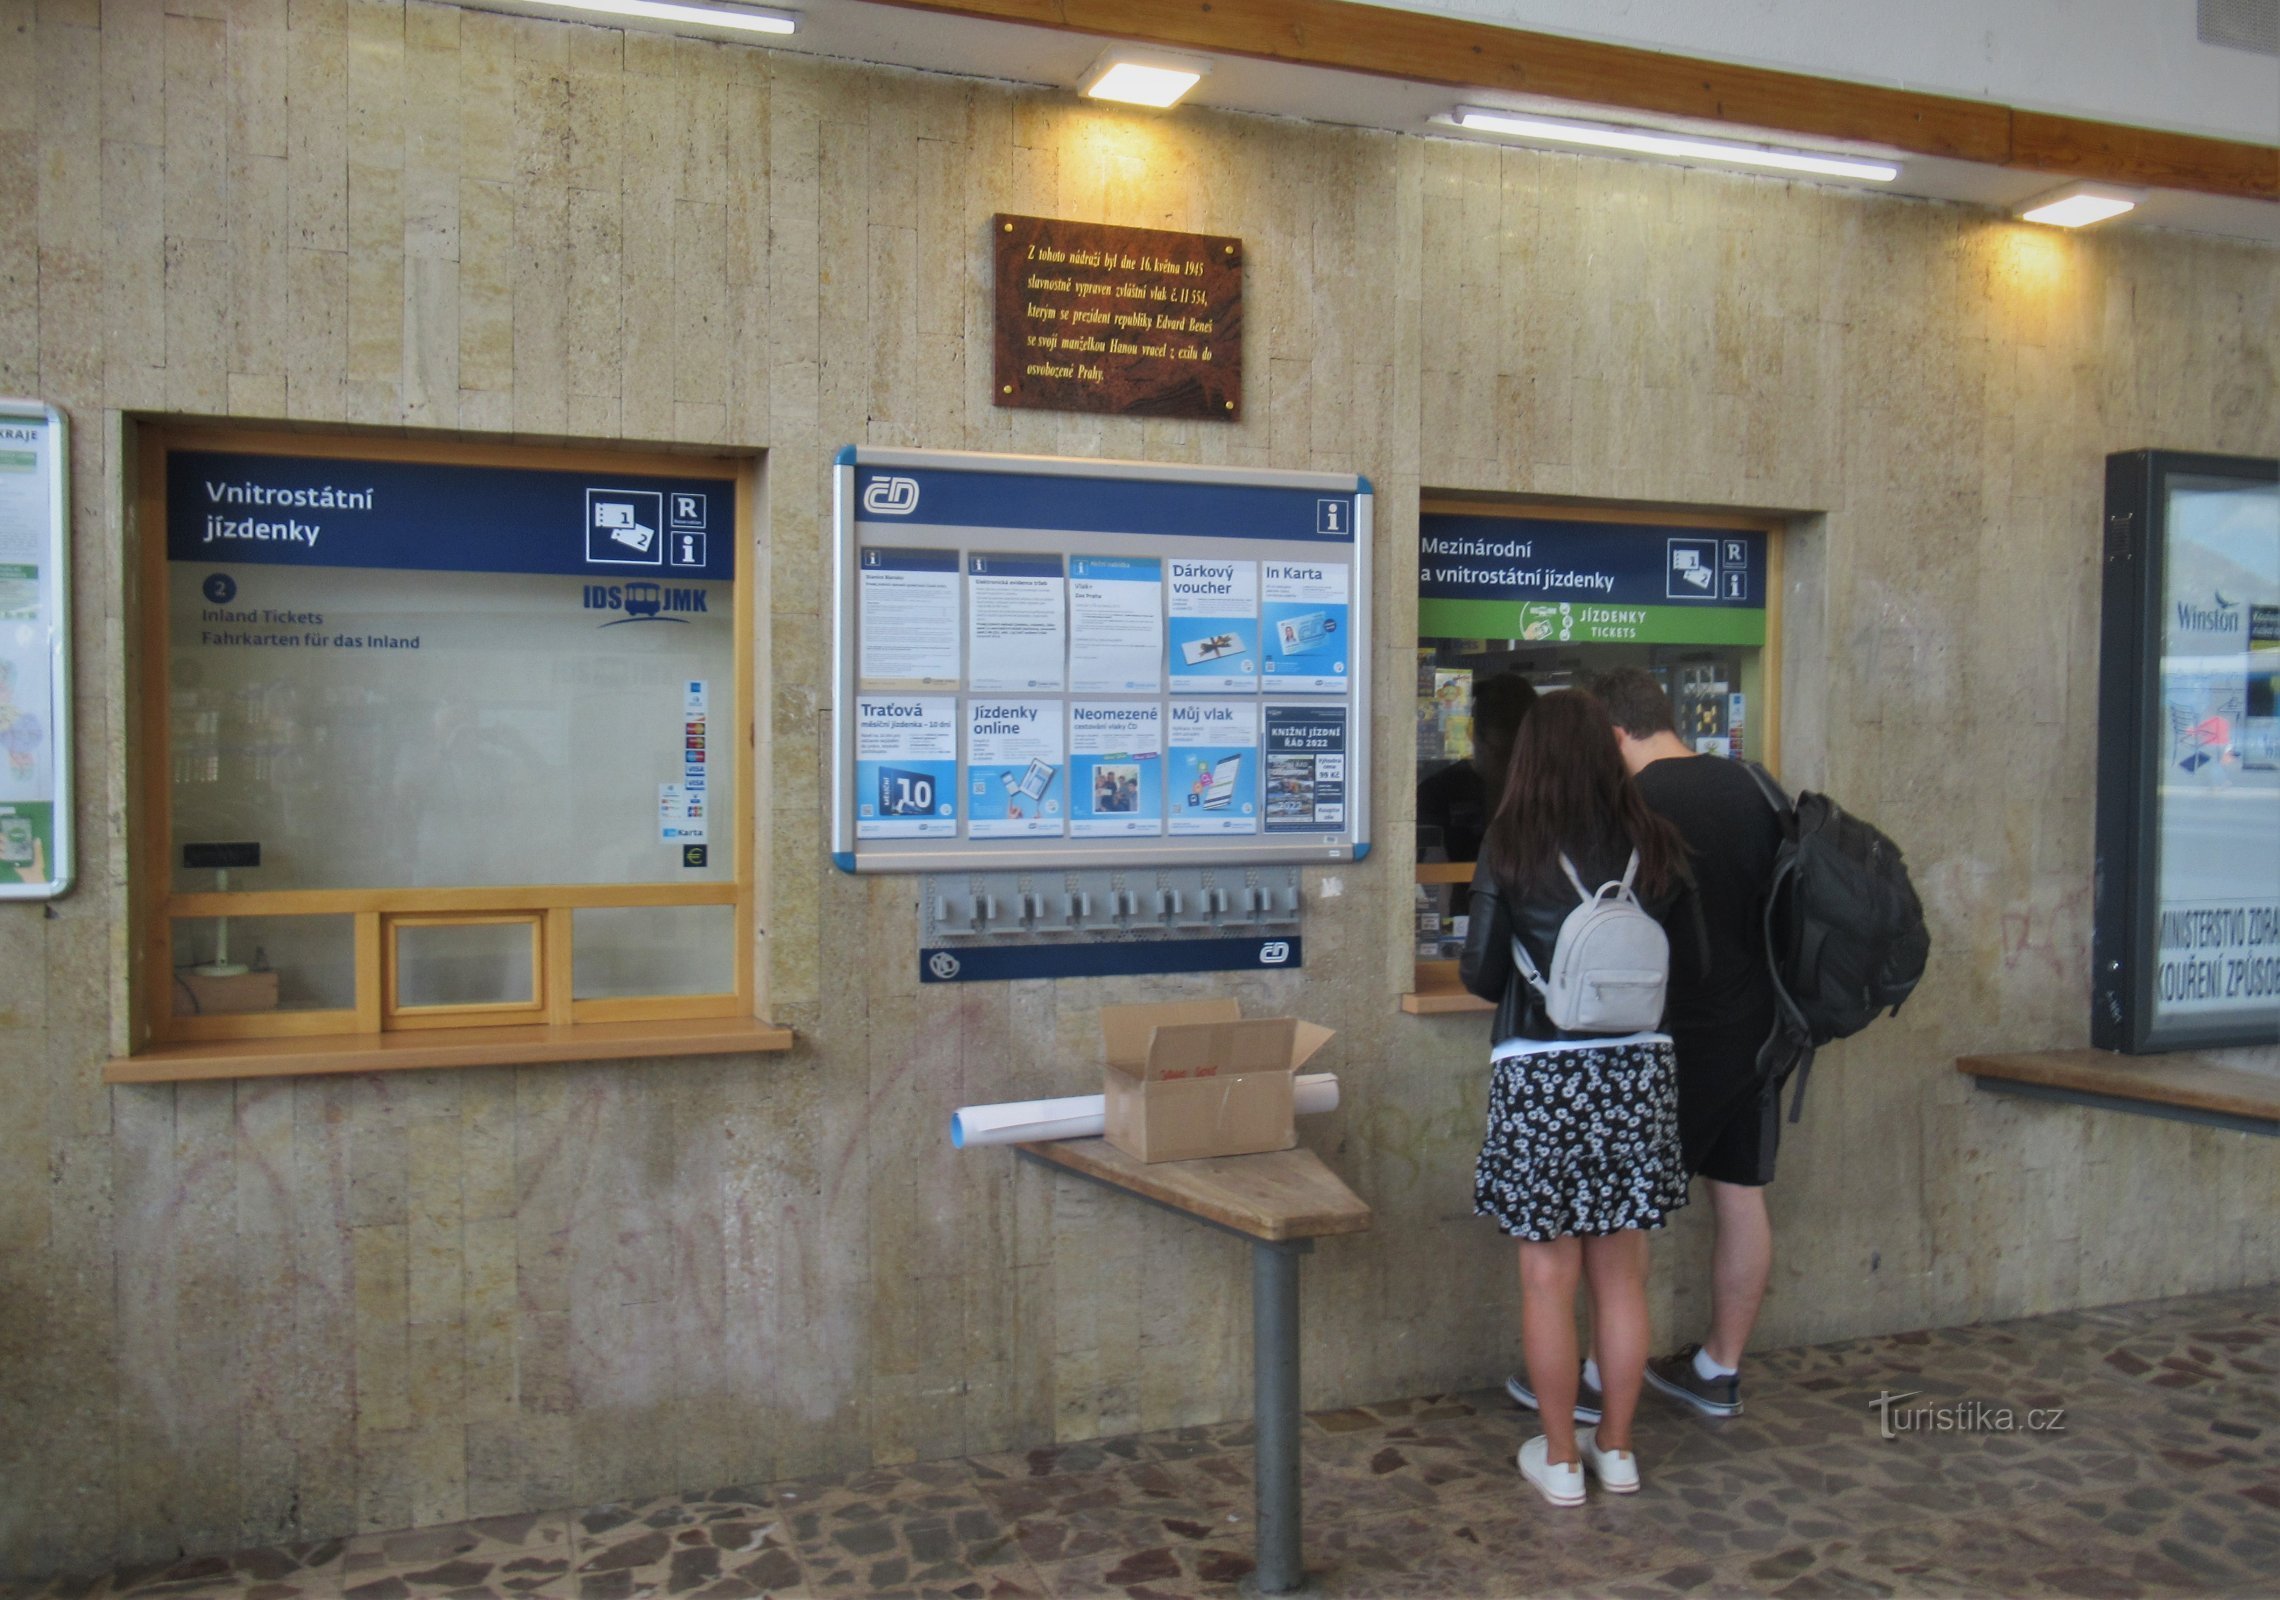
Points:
(1616, 1470)
(1559, 1482)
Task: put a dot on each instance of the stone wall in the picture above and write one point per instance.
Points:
(277, 1309)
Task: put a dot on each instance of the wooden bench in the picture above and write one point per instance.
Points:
(2185, 1088)
(1281, 1202)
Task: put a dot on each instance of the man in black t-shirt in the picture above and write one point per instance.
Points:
(1720, 1019)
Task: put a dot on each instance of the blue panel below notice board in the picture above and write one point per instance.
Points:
(1000, 963)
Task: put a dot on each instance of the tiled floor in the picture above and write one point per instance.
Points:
(2165, 1480)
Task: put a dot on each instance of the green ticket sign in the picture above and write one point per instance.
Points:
(1588, 622)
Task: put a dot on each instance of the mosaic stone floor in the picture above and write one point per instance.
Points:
(2163, 1480)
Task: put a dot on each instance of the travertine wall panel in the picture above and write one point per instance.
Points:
(231, 1313)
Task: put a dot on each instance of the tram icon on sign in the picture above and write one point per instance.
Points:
(624, 527)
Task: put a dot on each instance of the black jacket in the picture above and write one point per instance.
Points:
(1489, 971)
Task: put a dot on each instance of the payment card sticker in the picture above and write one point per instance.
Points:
(1116, 769)
(906, 767)
(1213, 767)
(1213, 626)
(1306, 769)
(1016, 787)
(1305, 618)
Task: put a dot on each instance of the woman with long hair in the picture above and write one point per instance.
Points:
(1581, 1156)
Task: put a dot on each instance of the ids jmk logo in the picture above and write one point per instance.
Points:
(642, 601)
(891, 497)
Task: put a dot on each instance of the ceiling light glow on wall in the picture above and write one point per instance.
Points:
(2078, 205)
(744, 19)
(1142, 77)
(1643, 141)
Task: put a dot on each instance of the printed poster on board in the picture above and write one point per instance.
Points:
(1214, 767)
(1306, 768)
(35, 773)
(906, 766)
(1116, 625)
(909, 617)
(1304, 618)
(1016, 623)
(1015, 785)
(1214, 626)
(1116, 769)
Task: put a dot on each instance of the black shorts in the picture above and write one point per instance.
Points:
(1729, 1117)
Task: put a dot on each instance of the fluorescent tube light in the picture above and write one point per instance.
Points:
(744, 19)
(1642, 141)
(2078, 205)
(1142, 77)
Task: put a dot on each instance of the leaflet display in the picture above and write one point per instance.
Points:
(35, 635)
(1047, 661)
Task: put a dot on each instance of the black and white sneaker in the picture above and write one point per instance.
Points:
(1675, 1375)
(1588, 1399)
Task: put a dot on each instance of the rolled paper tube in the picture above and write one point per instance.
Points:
(1084, 1116)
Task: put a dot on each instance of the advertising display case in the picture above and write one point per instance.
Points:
(2186, 945)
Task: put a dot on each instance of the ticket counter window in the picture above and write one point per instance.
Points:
(1517, 604)
(449, 737)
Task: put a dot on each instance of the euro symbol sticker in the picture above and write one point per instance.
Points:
(891, 497)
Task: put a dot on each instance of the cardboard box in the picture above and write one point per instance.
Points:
(196, 995)
(1195, 1078)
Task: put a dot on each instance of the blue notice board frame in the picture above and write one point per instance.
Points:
(934, 514)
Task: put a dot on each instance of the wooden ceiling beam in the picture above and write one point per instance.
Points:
(1460, 54)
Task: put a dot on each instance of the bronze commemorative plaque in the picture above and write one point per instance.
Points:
(1128, 321)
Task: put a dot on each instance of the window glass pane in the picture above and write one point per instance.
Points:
(464, 964)
(2218, 940)
(646, 950)
(416, 674)
(280, 964)
(516, 736)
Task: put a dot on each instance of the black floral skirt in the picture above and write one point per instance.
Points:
(1582, 1141)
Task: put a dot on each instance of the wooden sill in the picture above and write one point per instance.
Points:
(431, 1048)
(1439, 992)
(2185, 1087)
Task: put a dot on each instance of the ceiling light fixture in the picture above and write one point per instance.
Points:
(1643, 141)
(744, 19)
(2078, 205)
(1142, 77)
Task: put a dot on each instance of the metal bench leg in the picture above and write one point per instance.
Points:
(1274, 1358)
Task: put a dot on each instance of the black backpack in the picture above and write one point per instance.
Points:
(1844, 931)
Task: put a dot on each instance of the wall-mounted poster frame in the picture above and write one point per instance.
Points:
(1077, 663)
(2186, 941)
(35, 652)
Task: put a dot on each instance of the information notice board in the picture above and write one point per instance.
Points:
(35, 633)
(1047, 661)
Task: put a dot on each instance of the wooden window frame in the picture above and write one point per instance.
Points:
(1435, 988)
(360, 1038)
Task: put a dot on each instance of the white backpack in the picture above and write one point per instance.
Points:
(1610, 964)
